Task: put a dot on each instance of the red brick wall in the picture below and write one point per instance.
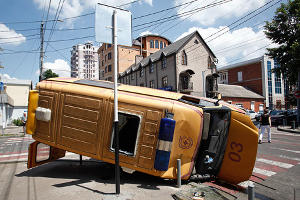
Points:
(252, 77)
(245, 101)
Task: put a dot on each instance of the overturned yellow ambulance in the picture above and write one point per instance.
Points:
(155, 129)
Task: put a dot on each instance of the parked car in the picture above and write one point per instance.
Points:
(277, 116)
(251, 114)
(257, 116)
(291, 115)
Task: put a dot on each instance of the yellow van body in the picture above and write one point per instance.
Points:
(77, 116)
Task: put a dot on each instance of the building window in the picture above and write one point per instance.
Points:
(109, 45)
(240, 76)
(109, 56)
(142, 72)
(161, 45)
(109, 68)
(164, 63)
(132, 76)
(165, 45)
(156, 44)
(105, 58)
(277, 79)
(196, 41)
(151, 68)
(129, 128)
(270, 92)
(106, 69)
(109, 78)
(151, 44)
(127, 79)
(183, 58)
(165, 81)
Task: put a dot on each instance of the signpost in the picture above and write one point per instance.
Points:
(113, 25)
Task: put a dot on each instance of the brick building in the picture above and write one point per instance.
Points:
(184, 66)
(141, 47)
(241, 96)
(256, 75)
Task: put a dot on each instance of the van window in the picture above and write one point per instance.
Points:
(129, 127)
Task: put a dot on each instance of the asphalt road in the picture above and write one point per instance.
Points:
(276, 175)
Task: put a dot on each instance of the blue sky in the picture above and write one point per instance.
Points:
(21, 41)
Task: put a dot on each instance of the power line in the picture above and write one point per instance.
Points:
(181, 21)
(63, 29)
(171, 18)
(149, 14)
(183, 14)
(188, 4)
(245, 17)
(71, 39)
(1, 38)
(18, 41)
(132, 2)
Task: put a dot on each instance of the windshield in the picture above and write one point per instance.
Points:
(277, 112)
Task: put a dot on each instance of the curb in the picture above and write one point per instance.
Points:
(288, 130)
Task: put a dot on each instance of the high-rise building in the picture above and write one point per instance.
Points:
(84, 61)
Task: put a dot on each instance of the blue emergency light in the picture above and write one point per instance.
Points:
(163, 151)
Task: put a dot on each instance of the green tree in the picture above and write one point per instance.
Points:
(284, 30)
(49, 74)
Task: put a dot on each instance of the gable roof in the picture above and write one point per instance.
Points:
(237, 91)
(168, 50)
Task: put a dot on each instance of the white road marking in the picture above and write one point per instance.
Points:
(263, 172)
(291, 158)
(287, 150)
(276, 163)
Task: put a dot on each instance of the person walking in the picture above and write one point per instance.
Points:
(265, 124)
(24, 119)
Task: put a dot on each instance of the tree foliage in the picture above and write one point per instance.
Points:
(284, 30)
(49, 74)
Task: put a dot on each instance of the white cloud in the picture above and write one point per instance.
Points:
(228, 10)
(6, 77)
(9, 36)
(59, 67)
(233, 46)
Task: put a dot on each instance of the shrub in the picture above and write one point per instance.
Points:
(17, 122)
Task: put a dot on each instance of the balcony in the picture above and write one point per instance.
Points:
(186, 87)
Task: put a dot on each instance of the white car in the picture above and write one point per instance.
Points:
(251, 114)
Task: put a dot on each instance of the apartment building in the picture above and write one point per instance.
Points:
(256, 75)
(84, 61)
(127, 55)
(187, 66)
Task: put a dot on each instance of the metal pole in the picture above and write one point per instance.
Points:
(116, 120)
(251, 194)
(178, 173)
(298, 100)
(41, 51)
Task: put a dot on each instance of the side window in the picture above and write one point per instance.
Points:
(129, 128)
(151, 44)
(156, 44)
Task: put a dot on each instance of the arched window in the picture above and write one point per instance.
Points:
(183, 58)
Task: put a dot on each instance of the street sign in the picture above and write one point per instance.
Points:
(297, 94)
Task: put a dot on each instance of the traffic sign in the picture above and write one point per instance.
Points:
(297, 94)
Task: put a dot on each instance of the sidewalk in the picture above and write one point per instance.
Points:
(12, 131)
(288, 129)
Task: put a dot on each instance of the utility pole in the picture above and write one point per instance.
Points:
(41, 51)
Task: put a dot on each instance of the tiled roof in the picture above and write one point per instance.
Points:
(237, 91)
